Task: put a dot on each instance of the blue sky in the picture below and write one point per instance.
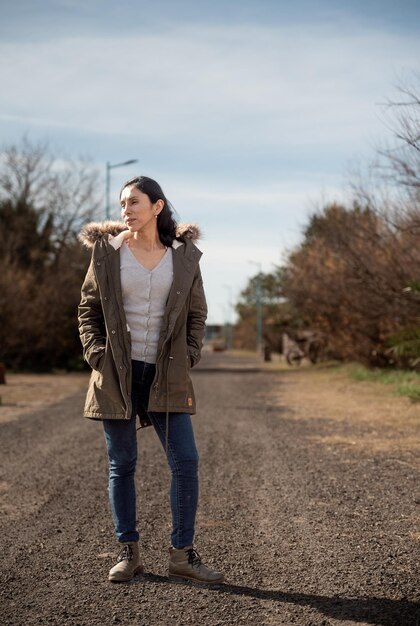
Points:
(248, 112)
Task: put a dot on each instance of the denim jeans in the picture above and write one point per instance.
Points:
(121, 442)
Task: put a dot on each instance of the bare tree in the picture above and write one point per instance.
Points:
(62, 194)
(356, 275)
(402, 161)
(43, 203)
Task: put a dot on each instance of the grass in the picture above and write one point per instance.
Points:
(406, 383)
(384, 376)
(410, 391)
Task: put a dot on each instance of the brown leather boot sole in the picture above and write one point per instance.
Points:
(139, 570)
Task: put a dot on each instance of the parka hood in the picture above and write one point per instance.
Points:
(91, 233)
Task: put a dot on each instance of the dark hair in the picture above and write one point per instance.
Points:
(166, 223)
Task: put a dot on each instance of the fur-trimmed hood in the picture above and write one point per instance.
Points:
(91, 233)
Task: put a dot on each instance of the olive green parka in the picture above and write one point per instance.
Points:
(105, 334)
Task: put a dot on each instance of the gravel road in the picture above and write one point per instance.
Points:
(307, 534)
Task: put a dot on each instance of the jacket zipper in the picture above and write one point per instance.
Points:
(158, 366)
(171, 358)
(122, 348)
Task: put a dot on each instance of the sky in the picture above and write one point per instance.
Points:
(249, 113)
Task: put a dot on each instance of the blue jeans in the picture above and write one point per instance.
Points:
(121, 442)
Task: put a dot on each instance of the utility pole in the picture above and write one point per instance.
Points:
(229, 322)
(258, 298)
(109, 167)
(259, 309)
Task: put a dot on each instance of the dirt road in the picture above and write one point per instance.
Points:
(310, 527)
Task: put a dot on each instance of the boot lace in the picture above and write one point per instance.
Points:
(193, 557)
(126, 554)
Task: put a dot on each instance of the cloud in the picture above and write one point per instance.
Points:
(242, 224)
(227, 87)
(243, 125)
(254, 209)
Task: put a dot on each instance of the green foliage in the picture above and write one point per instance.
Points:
(409, 391)
(406, 344)
(413, 285)
(41, 263)
(406, 383)
(270, 286)
(278, 313)
(384, 376)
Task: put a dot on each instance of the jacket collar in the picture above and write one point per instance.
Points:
(117, 241)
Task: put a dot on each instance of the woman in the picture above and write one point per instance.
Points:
(141, 322)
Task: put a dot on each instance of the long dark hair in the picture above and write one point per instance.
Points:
(166, 223)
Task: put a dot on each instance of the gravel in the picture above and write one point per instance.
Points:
(307, 534)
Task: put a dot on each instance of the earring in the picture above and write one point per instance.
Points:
(156, 215)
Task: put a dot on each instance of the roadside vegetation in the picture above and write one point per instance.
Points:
(403, 382)
(44, 200)
(397, 382)
(351, 288)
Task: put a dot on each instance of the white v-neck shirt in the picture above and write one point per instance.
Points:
(144, 295)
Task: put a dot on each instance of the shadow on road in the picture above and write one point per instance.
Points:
(378, 611)
(231, 370)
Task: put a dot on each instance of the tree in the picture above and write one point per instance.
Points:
(43, 203)
(340, 280)
(352, 276)
(278, 314)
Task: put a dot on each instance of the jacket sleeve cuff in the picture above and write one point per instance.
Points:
(195, 355)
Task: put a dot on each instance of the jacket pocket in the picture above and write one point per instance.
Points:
(103, 401)
(97, 358)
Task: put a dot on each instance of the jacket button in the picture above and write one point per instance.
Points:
(113, 332)
(178, 293)
(98, 262)
(121, 367)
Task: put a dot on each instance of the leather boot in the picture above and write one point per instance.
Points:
(128, 563)
(185, 564)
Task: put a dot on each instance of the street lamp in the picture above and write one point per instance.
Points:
(229, 325)
(110, 167)
(258, 303)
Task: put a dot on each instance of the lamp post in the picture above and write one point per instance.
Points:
(258, 304)
(229, 323)
(110, 167)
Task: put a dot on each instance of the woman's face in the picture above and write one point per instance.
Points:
(137, 210)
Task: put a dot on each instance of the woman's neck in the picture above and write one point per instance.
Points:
(146, 240)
